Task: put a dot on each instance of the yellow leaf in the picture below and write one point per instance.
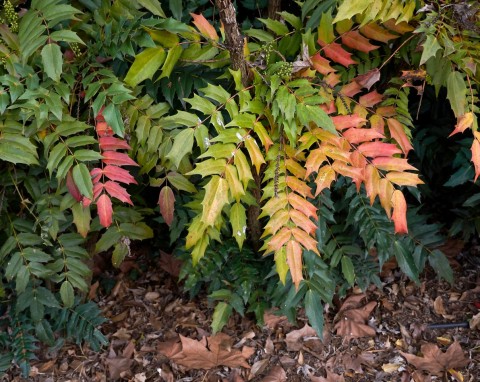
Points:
(234, 184)
(314, 161)
(199, 250)
(274, 204)
(243, 168)
(295, 168)
(404, 178)
(196, 231)
(278, 220)
(294, 261)
(326, 175)
(254, 151)
(281, 264)
(262, 134)
(476, 156)
(385, 192)
(463, 122)
(216, 196)
(372, 180)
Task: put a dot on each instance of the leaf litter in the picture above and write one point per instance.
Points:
(157, 334)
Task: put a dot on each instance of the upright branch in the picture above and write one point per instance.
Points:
(234, 38)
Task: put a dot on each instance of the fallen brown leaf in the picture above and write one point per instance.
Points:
(475, 322)
(437, 362)
(294, 339)
(118, 366)
(352, 321)
(331, 377)
(207, 353)
(438, 306)
(276, 374)
(170, 264)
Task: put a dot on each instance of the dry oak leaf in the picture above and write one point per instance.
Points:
(331, 377)
(207, 353)
(352, 322)
(295, 338)
(276, 374)
(437, 362)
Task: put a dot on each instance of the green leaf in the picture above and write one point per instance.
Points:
(66, 35)
(216, 196)
(405, 260)
(441, 265)
(145, 65)
(172, 57)
(221, 314)
(81, 218)
(67, 294)
(182, 145)
(114, 119)
(430, 48)
(350, 8)
(84, 155)
(46, 297)
(180, 182)
(348, 270)
(22, 279)
(275, 26)
(238, 220)
(456, 93)
(15, 148)
(209, 167)
(108, 239)
(119, 253)
(153, 6)
(83, 180)
(138, 231)
(314, 310)
(52, 60)
(315, 114)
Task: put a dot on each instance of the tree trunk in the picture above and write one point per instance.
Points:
(274, 6)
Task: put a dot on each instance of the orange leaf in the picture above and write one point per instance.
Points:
(385, 192)
(335, 52)
(343, 122)
(299, 186)
(294, 260)
(204, 26)
(118, 159)
(354, 40)
(386, 111)
(301, 204)
(392, 164)
(397, 131)
(302, 221)
(336, 153)
(166, 202)
(295, 168)
(321, 64)
(378, 149)
(314, 161)
(307, 241)
(103, 130)
(401, 28)
(404, 178)
(377, 123)
(356, 174)
(355, 136)
(105, 211)
(326, 175)
(476, 156)
(117, 191)
(463, 122)
(350, 89)
(372, 182)
(278, 240)
(370, 99)
(399, 215)
(277, 221)
(377, 33)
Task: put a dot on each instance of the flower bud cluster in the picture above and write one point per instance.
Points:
(11, 15)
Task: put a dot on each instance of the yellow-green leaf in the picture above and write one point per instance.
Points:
(52, 60)
(172, 58)
(145, 65)
(182, 145)
(281, 264)
(236, 188)
(83, 180)
(216, 196)
(81, 218)
(238, 220)
(254, 152)
(430, 48)
(456, 93)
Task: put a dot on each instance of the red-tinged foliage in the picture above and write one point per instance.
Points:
(118, 159)
(72, 187)
(476, 155)
(378, 149)
(354, 40)
(103, 130)
(385, 192)
(281, 237)
(368, 79)
(356, 174)
(343, 122)
(118, 174)
(377, 33)
(299, 203)
(392, 164)
(302, 221)
(105, 210)
(314, 161)
(335, 52)
(294, 260)
(117, 191)
(351, 89)
(399, 215)
(372, 182)
(112, 143)
(370, 99)
(325, 177)
(97, 190)
(307, 241)
(166, 202)
(299, 186)
(463, 122)
(204, 26)
(356, 136)
(398, 133)
(403, 178)
(321, 64)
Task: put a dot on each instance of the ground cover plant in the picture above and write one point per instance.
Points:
(287, 135)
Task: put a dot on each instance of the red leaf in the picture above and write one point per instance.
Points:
(370, 99)
(355, 136)
(399, 215)
(294, 261)
(397, 132)
(96, 174)
(72, 187)
(356, 174)
(368, 79)
(103, 129)
(321, 64)
(118, 159)
(204, 26)
(378, 149)
(97, 190)
(343, 122)
(166, 202)
(117, 191)
(118, 174)
(354, 40)
(350, 89)
(105, 211)
(337, 53)
(301, 204)
(392, 164)
(112, 143)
